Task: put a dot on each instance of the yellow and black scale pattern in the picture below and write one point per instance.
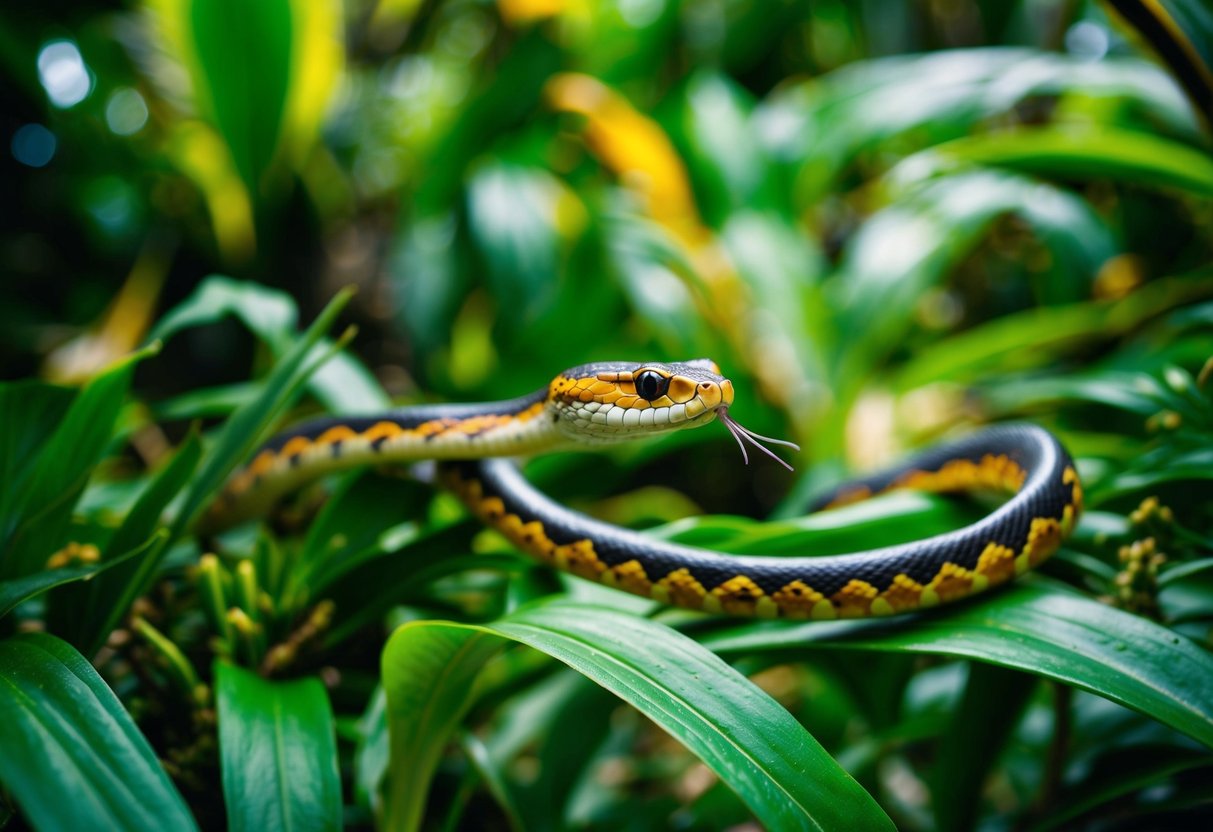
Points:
(1024, 460)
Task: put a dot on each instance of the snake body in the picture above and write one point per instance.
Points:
(611, 402)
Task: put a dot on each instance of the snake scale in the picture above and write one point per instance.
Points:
(603, 403)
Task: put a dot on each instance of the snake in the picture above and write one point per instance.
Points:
(600, 404)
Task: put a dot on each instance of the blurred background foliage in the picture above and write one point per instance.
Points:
(887, 221)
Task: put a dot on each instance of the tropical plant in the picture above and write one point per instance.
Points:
(888, 225)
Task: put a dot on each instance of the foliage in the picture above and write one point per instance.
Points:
(888, 224)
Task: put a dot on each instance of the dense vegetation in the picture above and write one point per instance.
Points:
(889, 223)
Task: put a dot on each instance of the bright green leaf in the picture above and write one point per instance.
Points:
(1092, 153)
(245, 428)
(244, 61)
(278, 752)
(751, 742)
(73, 759)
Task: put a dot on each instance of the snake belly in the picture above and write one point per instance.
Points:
(1024, 460)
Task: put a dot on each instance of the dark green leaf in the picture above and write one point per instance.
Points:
(349, 528)
(38, 521)
(401, 573)
(246, 426)
(1037, 628)
(30, 411)
(990, 708)
(14, 592)
(95, 611)
(1121, 772)
(73, 759)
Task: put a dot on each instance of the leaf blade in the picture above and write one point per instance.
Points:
(278, 752)
(774, 765)
(66, 732)
(1038, 628)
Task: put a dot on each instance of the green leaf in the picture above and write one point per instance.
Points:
(885, 520)
(915, 243)
(245, 428)
(559, 720)
(29, 413)
(429, 673)
(14, 592)
(371, 753)
(73, 759)
(342, 384)
(244, 59)
(1037, 336)
(1091, 153)
(513, 213)
(37, 521)
(268, 313)
(1182, 33)
(353, 525)
(989, 710)
(398, 572)
(920, 100)
(209, 402)
(278, 752)
(100, 604)
(1031, 626)
(743, 735)
(1120, 772)
(725, 159)
(427, 278)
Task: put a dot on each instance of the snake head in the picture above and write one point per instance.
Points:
(616, 401)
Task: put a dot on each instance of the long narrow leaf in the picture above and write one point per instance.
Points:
(104, 601)
(15, 591)
(37, 526)
(85, 614)
(246, 426)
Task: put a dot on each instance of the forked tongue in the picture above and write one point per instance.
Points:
(743, 434)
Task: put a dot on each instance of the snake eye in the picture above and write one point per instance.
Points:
(651, 385)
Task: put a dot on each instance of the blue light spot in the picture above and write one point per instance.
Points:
(34, 145)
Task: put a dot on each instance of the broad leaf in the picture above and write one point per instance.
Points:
(1033, 627)
(73, 759)
(278, 752)
(748, 739)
